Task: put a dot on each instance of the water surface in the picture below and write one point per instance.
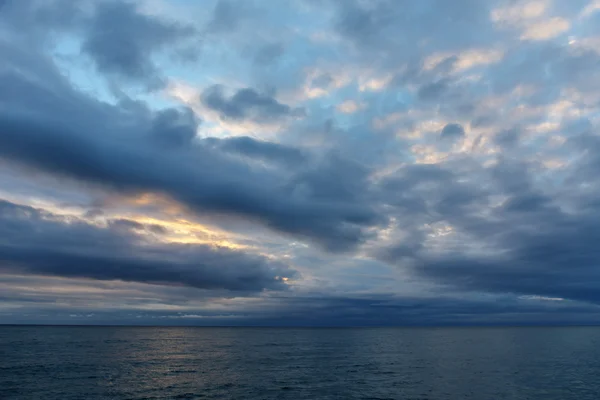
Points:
(61, 363)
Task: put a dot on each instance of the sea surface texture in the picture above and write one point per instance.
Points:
(262, 363)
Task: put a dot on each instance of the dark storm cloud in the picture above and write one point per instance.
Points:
(383, 310)
(259, 149)
(39, 243)
(334, 177)
(529, 244)
(247, 104)
(557, 258)
(172, 127)
(123, 41)
(60, 130)
(452, 131)
(202, 180)
(408, 189)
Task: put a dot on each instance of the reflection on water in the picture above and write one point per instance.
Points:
(264, 363)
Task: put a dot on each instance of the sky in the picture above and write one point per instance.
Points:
(301, 162)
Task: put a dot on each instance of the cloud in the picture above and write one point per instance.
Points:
(507, 138)
(123, 42)
(373, 310)
(546, 29)
(414, 161)
(349, 107)
(174, 127)
(255, 149)
(452, 131)
(526, 245)
(381, 25)
(81, 138)
(129, 225)
(269, 53)
(69, 247)
(247, 104)
(432, 91)
(227, 15)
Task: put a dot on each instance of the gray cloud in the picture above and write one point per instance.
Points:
(70, 134)
(174, 128)
(129, 225)
(260, 150)
(529, 245)
(227, 15)
(123, 41)
(72, 248)
(382, 25)
(42, 18)
(432, 91)
(373, 310)
(507, 138)
(247, 104)
(269, 53)
(513, 216)
(452, 131)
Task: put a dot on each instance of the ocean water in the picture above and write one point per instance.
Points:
(65, 363)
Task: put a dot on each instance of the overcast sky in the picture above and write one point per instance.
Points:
(301, 162)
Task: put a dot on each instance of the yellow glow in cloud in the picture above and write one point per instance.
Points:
(189, 232)
(156, 201)
(179, 230)
(173, 219)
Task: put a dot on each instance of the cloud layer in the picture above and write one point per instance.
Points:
(339, 162)
(35, 242)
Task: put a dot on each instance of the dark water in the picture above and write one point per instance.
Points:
(262, 363)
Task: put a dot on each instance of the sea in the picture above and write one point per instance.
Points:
(63, 363)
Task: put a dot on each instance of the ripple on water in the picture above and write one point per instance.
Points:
(422, 364)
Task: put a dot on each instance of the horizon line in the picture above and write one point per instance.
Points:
(590, 325)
